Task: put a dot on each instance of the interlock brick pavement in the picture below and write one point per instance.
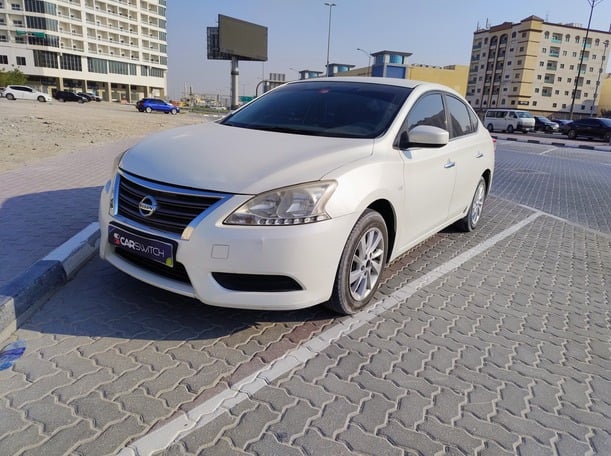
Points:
(507, 354)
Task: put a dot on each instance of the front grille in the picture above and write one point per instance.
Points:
(176, 207)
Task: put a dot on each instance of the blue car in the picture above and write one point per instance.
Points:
(155, 104)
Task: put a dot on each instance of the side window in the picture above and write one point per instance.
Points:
(460, 122)
(428, 110)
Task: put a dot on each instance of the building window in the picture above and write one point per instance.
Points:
(539, 77)
(15, 6)
(97, 65)
(537, 90)
(554, 105)
(21, 61)
(559, 79)
(45, 59)
(71, 62)
(556, 92)
(577, 39)
(567, 38)
(4, 59)
(544, 50)
(521, 48)
(3, 38)
(541, 64)
(534, 103)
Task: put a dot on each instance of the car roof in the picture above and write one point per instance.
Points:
(408, 83)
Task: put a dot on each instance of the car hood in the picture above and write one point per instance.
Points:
(229, 159)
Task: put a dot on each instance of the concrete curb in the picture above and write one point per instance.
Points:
(29, 290)
(551, 142)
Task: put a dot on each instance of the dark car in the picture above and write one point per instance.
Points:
(546, 125)
(562, 124)
(592, 127)
(155, 104)
(65, 95)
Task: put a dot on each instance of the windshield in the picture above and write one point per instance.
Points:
(336, 109)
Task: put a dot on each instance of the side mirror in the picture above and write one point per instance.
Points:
(424, 136)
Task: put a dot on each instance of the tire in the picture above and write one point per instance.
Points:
(41, 99)
(572, 134)
(173, 111)
(469, 222)
(10, 96)
(607, 137)
(62, 100)
(490, 128)
(81, 101)
(148, 110)
(510, 129)
(361, 265)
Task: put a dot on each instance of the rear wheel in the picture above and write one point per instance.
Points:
(361, 265)
(148, 110)
(469, 222)
(490, 128)
(510, 129)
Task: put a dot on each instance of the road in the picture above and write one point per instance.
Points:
(490, 343)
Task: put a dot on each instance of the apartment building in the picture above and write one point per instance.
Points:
(537, 65)
(115, 48)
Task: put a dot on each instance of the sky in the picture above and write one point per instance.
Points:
(436, 32)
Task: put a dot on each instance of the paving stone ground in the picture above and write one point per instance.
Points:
(508, 353)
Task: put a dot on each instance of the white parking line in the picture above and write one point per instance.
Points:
(203, 414)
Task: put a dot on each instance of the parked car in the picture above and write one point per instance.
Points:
(156, 104)
(66, 95)
(93, 96)
(1, 92)
(14, 92)
(562, 124)
(546, 125)
(509, 120)
(592, 127)
(302, 196)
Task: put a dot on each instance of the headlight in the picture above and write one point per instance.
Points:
(295, 205)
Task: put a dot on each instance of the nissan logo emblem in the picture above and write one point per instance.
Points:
(147, 206)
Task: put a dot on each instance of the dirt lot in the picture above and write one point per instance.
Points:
(30, 130)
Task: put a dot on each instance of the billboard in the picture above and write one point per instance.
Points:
(237, 38)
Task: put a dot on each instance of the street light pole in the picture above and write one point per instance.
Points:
(592, 3)
(330, 5)
(369, 63)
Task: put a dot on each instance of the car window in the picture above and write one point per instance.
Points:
(460, 121)
(428, 110)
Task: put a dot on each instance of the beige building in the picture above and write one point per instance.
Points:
(535, 65)
(116, 48)
(394, 64)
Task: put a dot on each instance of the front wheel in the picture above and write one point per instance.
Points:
(469, 222)
(173, 111)
(41, 99)
(361, 265)
(10, 96)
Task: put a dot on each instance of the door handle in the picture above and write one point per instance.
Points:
(449, 164)
(479, 155)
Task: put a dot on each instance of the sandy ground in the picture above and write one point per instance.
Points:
(30, 130)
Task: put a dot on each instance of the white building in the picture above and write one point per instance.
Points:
(115, 48)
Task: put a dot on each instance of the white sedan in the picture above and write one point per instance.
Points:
(14, 92)
(301, 196)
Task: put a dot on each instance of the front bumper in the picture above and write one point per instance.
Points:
(307, 255)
